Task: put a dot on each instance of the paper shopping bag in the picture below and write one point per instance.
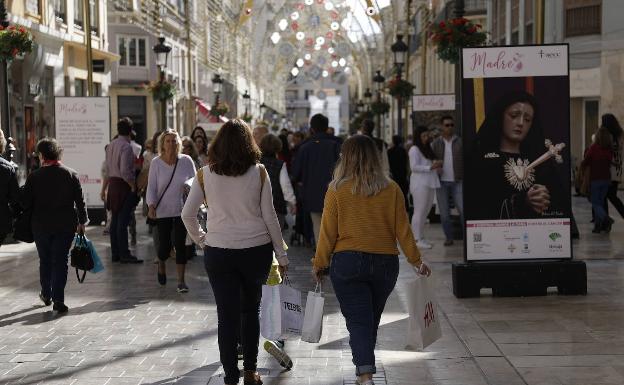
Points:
(281, 315)
(423, 327)
(313, 316)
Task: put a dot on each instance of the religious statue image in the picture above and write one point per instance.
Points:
(513, 169)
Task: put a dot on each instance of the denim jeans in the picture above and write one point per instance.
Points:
(598, 194)
(236, 277)
(447, 190)
(362, 283)
(53, 252)
(119, 228)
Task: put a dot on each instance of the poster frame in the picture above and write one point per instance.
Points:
(436, 94)
(107, 136)
(567, 151)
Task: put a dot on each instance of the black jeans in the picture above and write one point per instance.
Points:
(236, 277)
(119, 228)
(169, 228)
(614, 199)
(362, 283)
(53, 251)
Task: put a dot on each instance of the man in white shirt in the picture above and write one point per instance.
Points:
(448, 149)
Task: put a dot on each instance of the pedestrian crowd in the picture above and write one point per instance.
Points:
(235, 194)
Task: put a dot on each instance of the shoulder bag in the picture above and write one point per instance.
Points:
(152, 221)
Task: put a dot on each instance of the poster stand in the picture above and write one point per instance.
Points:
(509, 249)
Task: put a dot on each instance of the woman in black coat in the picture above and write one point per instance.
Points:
(54, 195)
(8, 191)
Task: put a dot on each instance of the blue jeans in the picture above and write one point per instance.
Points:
(119, 228)
(598, 194)
(447, 190)
(362, 283)
(53, 251)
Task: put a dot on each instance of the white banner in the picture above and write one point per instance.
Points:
(442, 102)
(82, 130)
(520, 61)
(518, 239)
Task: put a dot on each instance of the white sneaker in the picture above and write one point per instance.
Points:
(424, 245)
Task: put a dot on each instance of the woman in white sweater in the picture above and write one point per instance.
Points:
(423, 182)
(165, 186)
(242, 231)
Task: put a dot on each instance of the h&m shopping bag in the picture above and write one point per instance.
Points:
(423, 327)
(313, 316)
(281, 315)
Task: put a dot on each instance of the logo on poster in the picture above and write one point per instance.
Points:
(554, 236)
(485, 64)
(549, 55)
(512, 248)
(477, 237)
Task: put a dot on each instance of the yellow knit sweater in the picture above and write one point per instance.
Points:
(367, 224)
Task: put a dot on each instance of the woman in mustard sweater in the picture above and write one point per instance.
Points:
(363, 217)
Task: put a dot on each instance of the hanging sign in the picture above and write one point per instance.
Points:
(440, 102)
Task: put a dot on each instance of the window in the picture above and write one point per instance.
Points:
(60, 11)
(133, 51)
(97, 89)
(33, 7)
(94, 17)
(79, 14)
(583, 18)
(80, 87)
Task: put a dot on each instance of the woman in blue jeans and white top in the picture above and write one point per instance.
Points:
(423, 182)
(363, 218)
(165, 187)
(242, 233)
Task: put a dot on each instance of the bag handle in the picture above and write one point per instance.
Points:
(168, 184)
(200, 180)
(318, 288)
(84, 273)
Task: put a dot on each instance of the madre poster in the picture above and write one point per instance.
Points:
(82, 130)
(516, 133)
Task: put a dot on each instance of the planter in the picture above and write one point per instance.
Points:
(164, 90)
(400, 89)
(450, 36)
(220, 109)
(15, 41)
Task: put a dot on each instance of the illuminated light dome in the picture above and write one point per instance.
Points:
(300, 35)
(300, 62)
(307, 56)
(320, 40)
(294, 71)
(329, 6)
(335, 26)
(331, 50)
(325, 74)
(334, 64)
(294, 15)
(275, 37)
(309, 2)
(342, 62)
(283, 24)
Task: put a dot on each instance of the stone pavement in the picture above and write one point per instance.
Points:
(123, 328)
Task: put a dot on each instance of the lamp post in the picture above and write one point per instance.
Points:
(247, 102)
(399, 50)
(263, 108)
(4, 85)
(367, 99)
(379, 80)
(217, 86)
(162, 54)
(359, 107)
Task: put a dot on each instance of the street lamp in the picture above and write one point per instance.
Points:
(4, 84)
(359, 107)
(379, 81)
(162, 54)
(217, 86)
(247, 102)
(399, 49)
(367, 98)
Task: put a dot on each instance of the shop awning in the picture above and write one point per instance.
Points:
(204, 109)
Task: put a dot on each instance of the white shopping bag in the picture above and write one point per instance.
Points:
(423, 327)
(281, 315)
(313, 316)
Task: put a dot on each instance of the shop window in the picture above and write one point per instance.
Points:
(80, 87)
(132, 50)
(60, 11)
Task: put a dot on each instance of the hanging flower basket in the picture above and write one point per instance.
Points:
(450, 36)
(400, 89)
(247, 118)
(220, 109)
(164, 90)
(380, 107)
(14, 41)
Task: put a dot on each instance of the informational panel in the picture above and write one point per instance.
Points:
(516, 133)
(83, 129)
(438, 102)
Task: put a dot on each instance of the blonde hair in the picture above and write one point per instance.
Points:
(161, 141)
(360, 163)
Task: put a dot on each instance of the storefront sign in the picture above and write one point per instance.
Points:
(516, 135)
(442, 102)
(83, 129)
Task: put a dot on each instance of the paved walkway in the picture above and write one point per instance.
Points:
(123, 328)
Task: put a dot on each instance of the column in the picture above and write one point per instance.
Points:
(508, 22)
(521, 22)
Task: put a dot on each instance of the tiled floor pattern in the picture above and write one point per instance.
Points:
(124, 329)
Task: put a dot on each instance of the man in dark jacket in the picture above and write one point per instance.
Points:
(9, 191)
(314, 166)
(448, 149)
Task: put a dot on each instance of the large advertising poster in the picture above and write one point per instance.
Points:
(516, 132)
(83, 129)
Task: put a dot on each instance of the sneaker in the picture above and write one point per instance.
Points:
(182, 288)
(424, 245)
(239, 351)
(279, 354)
(60, 307)
(46, 301)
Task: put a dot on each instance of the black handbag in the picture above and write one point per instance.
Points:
(152, 221)
(81, 258)
(22, 227)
